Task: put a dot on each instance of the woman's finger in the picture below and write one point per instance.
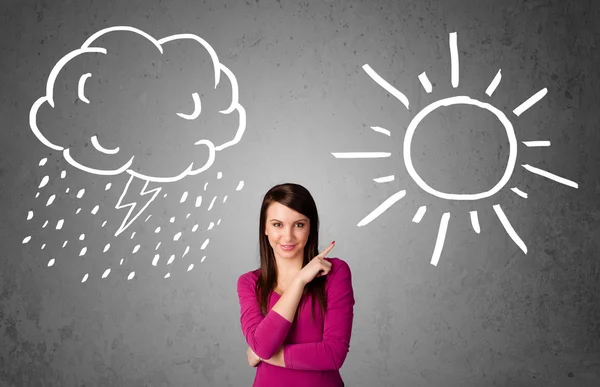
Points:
(328, 249)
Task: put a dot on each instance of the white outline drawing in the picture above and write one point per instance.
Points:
(410, 131)
(191, 170)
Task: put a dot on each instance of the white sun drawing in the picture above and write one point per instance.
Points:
(410, 131)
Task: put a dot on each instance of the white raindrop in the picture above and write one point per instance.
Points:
(177, 236)
(135, 249)
(157, 230)
(44, 245)
(67, 190)
(168, 275)
(132, 235)
(85, 277)
(190, 267)
(108, 186)
(83, 251)
(95, 209)
(81, 237)
(158, 245)
(106, 273)
(44, 181)
(219, 175)
(131, 275)
(148, 217)
(187, 249)
(188, 215)
(172, 219)
(205, 185)
(26, 239)
(43, 162)
(63, 174)
(183, 197)
(240, 185)
(202, 260)
(37, 195)
(121, 261)
(155, 259)
(45, 224)
(29, 215)
(106, 248)
(225, 199)
(80, 193)
(78, 211)
(204, 244)
(64, 244)
(219, 221)
(51, 262)
(59, 224)
(50, 200)
(211, 225)
(211, 203)
(104, 223)
(165, 195)
(171, 258)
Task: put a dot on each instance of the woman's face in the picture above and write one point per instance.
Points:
(287, 231)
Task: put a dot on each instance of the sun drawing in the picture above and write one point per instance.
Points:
(412, 127)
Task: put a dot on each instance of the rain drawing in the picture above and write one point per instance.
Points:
(111, 137)
(410, 131)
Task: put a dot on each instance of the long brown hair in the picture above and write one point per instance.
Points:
(297, 198)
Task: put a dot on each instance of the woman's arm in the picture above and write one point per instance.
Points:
(329, 353)
(265, 334)
(288, 302)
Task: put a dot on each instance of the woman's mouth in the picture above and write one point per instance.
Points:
(287, 247)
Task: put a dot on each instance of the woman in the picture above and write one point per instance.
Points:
(291, 341)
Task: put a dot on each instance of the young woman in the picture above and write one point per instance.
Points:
(297, 308)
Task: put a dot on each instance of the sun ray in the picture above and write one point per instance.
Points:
(536, 143)
(381, 130)
(454, 59)
(439, 243)
(383, 83)
(509, 229)
(419, 215)
(381, 208)
(519, 192)
(425, 82)
(475, 221)
(530, 101)
(550, 176)
(495, 82)
(384, 179)
(360, 155)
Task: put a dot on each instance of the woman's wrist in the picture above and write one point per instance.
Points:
(299, 282)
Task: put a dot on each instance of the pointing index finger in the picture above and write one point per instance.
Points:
(328, 249)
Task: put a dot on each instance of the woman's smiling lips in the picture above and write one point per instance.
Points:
(287, 247)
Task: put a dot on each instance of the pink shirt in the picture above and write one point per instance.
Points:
(313, 351)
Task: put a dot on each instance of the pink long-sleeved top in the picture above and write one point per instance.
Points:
(314, 350)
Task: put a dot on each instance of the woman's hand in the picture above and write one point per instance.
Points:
(317, 267)
(253, 358)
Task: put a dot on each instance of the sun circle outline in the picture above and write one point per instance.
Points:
(464, 100)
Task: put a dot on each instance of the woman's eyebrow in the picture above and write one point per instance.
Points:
(300, 220)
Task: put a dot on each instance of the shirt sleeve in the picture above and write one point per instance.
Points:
(330, 353)
(264, 334)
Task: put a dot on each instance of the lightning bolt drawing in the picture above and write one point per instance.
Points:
(133, 204)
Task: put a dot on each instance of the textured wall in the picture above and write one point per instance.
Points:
(486, 315)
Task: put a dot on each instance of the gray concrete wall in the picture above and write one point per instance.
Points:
(486, 315)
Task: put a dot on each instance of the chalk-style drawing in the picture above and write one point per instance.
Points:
(133, 199)
(146, 195)
(411, 129)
